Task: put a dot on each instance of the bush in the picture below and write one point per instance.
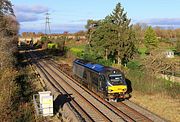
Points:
(172, 88)
(76, 51)
(145, 83)
(89, 56)
(104, 62)
(133, 65)
(52, 46)
(44, 39)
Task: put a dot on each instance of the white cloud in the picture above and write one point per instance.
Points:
(26, 13)
(24, 17)
(162, 21)
(37, 9)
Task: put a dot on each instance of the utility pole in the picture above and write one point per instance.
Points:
(47, 24)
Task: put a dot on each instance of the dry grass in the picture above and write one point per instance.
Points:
(159, 104)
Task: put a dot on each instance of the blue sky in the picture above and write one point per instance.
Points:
(72, 15)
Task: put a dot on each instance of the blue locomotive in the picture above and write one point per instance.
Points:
(107, 82)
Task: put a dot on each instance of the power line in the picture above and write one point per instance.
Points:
(47, 24)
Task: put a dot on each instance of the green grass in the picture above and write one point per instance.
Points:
(142, 52)
(133, 64)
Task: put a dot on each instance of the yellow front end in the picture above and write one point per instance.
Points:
(117, 89)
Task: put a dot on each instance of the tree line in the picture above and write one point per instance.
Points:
(38, 34)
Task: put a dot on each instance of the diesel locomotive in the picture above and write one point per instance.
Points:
(109, 83)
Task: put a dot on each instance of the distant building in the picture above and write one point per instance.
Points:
(28, 40)
(169, 54)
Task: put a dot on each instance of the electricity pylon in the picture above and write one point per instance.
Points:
(47, 24)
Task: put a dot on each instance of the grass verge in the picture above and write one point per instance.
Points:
(145, 83)
(27, 84)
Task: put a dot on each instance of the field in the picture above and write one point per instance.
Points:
(160, 104)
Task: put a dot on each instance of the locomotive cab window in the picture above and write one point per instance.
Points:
(116, 79)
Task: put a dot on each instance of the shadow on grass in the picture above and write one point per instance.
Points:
(41, 54)
(60, 100)
(177, 53)
(129, 88)
(25, 88)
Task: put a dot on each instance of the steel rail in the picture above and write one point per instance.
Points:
(81, 114)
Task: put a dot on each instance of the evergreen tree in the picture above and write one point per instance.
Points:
(101, 39)
(150, 38)
(112, 37)
(123, 45)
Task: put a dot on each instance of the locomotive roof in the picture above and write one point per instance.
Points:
(90, 65)
(95, 67)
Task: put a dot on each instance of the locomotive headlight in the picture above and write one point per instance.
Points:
(124, 89)
(110, 90)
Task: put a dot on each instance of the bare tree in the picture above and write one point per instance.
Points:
(8, 46)
(157, 63)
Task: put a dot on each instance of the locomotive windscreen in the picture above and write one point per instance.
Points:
(116, 79)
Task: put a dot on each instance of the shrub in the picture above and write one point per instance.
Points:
(76, 51)
(133, 65)
(52, 46)
(145, 83)
(104, 62)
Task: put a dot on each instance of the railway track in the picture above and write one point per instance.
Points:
(89, 106)
(120, 108)
(91, 111)
(73, 105)
(82, 115)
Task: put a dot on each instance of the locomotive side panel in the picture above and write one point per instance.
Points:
(78, 70)
(97, 83)
(94, 80)
(83, 73)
